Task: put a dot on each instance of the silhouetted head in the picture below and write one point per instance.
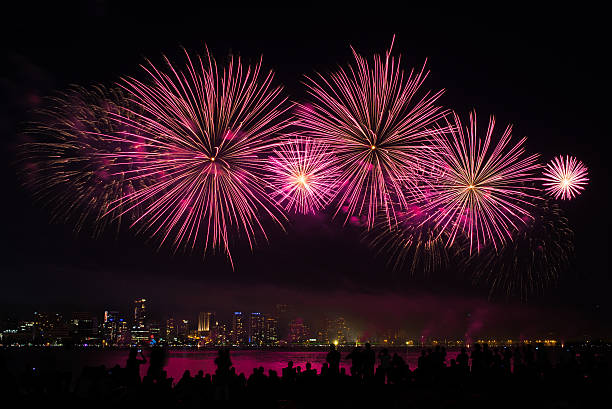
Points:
(290, 364)
(308, 365)
(133, 352)
(186, 374)
(368, 346)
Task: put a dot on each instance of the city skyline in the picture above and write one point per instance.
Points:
(242, 329)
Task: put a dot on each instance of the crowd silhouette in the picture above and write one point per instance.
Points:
(481, 377)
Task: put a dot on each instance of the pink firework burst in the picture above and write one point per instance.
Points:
(65, 160)
(206, 132)
(478, 187)
(302, 175)
(371, 118)
(565, 178)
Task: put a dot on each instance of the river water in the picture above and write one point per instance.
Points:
(20, 359)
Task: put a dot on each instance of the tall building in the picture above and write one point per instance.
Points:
(123, 333)
(140, 333)
(271, 331)
(111, 326)
(298, 331)
(337, 330)
(182, 330)
(257, 326)
(171, 331)
(239, 334)
(205, 321)
(283, 315)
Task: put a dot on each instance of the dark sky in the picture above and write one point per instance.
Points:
(541, 70)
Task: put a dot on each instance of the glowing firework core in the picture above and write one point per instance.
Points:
(565, 178)
(301, 180)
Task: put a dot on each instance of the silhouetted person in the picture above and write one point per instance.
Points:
(223, 362)
(356, 357)
(289, 372)
(369, 361)
(157, 361)
(333, 359)
(463, 361)
(132, 367)
(385, 363)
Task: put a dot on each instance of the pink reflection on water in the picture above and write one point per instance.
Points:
(245, 361)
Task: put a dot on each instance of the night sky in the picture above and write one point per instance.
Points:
(541, 70)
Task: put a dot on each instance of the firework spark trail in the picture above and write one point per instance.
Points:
(533, 260)
(371, 119)
(303, 176)
(479, 188)
(565, 178)
(206, 133)
(413, 242)
(64, 163)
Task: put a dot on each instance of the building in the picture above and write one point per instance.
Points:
(84, 327)
(155, 332)
(239, 334)
(49, 328)
(271, 331)
(257, 328)
(338, 331)
(182, 331)
(205, 321)
(171, 333)
(219, 334)
(110, 327)
(283, 316)
(140, 331)
(298, 331)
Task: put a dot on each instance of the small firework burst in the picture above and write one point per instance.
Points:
(302, 175)
(565, 178)
(477, 187)
(373, 120)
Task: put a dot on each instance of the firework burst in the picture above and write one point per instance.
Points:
(539, 251)
(65, 160)
(370, 117)
(477, 187)
(302, 175)
(413, 243)
(204, 132)
(565, 178)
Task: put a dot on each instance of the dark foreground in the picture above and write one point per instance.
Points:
(484, 378)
